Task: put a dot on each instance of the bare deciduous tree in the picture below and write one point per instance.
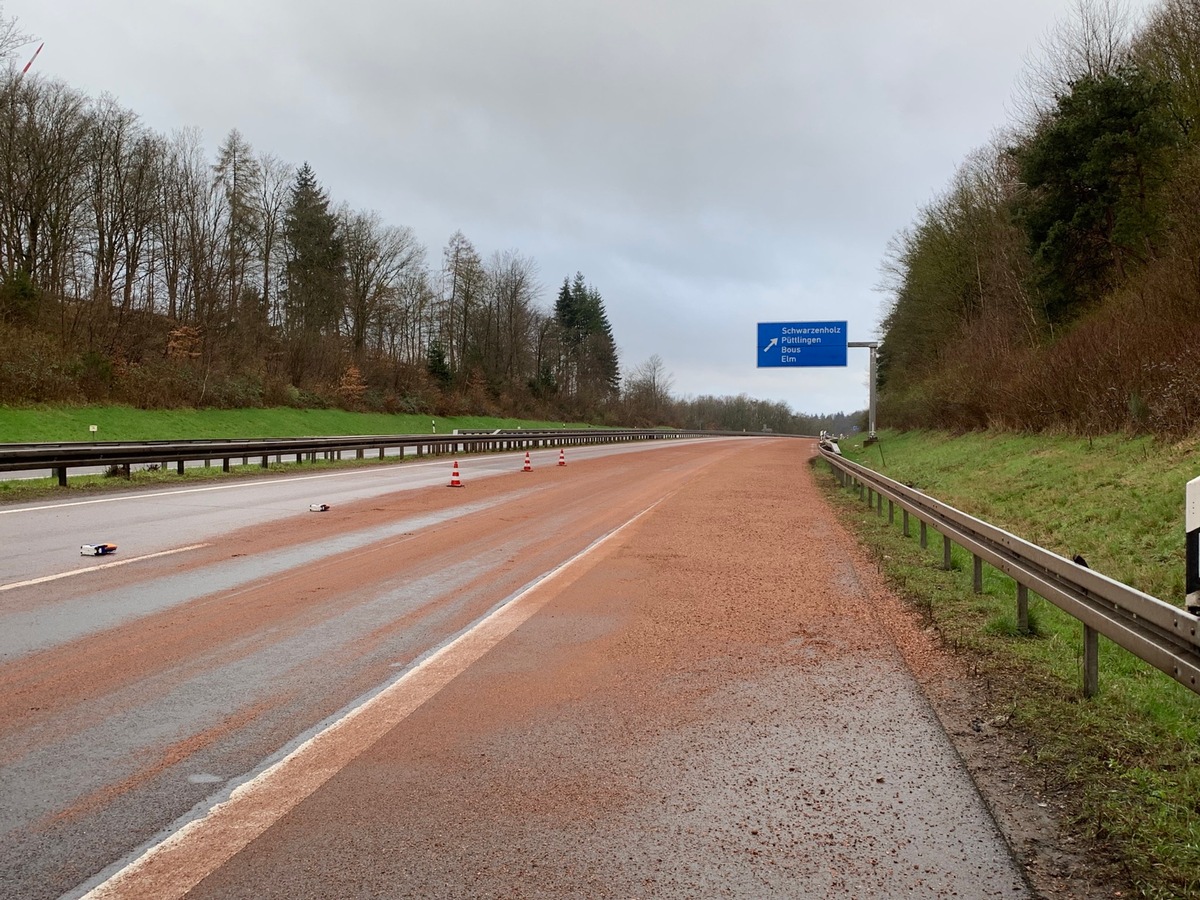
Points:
(274, 187)
(512, 287)
(463, 281)
(647, 392)
(43, 155)
(378, 258)
(1168, 47)
(11, 36)
(123, 167)
(1093, 42)
(237, 174)
(201, 211)
(409, 319)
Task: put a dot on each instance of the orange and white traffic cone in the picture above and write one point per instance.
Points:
(562, 457)
(455, 481)
(528, 467)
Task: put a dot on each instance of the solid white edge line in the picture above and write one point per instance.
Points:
(109, 565)
(164, 872)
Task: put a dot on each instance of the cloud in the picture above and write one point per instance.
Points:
(706, 164)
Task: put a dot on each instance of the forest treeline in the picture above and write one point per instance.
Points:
(136, 268)
(1055, 284)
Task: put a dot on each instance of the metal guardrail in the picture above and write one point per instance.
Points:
(1163, 635)
(59, 458)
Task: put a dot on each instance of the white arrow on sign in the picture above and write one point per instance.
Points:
(774, 341)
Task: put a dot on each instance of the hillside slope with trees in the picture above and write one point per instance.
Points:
(1055, 284)
(137, 269)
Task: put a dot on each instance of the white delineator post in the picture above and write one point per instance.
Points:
(1192, 524)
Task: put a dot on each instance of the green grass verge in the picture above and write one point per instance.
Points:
(1126, 763)
(124, 423)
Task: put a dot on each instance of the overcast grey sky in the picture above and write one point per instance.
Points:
(707, 164)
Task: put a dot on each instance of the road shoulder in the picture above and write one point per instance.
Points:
(714, 704)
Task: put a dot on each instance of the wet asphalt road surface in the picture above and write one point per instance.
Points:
(703, 705)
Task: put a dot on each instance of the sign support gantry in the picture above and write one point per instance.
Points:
(874, 347)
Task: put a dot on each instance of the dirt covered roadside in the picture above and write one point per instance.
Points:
(711, 704)
(1058, 860)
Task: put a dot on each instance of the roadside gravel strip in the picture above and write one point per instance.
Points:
(709, 703)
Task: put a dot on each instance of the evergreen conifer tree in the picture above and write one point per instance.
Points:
(315, 272)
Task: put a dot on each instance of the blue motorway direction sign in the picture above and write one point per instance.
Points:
(801, 344)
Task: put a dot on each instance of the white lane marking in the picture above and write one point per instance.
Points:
(199, 490)
(183, 859)
(108, 565)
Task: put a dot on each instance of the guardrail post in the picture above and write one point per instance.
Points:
(61, 472)
(904, 520)
(879, 504)
(225, 463)
(1091, 661)
(179, 467)
(266, 461)
(1155, 631)
(891, 513)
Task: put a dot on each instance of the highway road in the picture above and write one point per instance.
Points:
(651, 672)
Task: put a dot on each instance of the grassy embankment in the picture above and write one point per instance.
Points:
(1127, 762)
(122, 423)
